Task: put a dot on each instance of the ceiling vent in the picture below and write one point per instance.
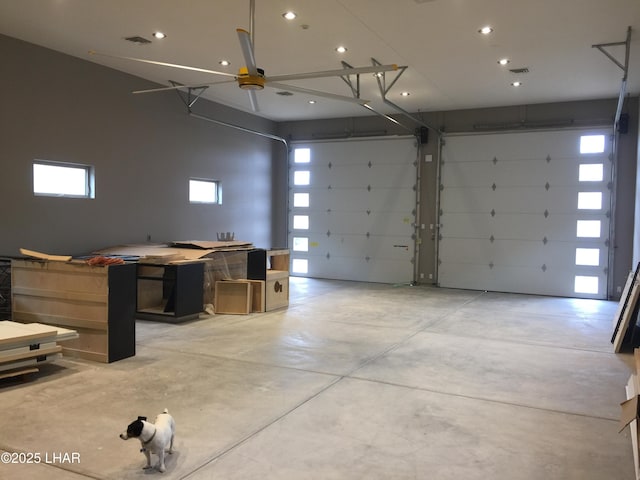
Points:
(285, 94)
(519, 70)
(138, 40)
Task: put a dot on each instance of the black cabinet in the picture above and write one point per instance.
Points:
(172, 292)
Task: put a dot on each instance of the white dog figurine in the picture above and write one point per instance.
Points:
(154, 437)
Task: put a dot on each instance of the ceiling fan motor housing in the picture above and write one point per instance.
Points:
(251, 82)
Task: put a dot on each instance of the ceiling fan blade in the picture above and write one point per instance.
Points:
(334, 73)
(163, 64)
(247, 51)
(318, 93)
(178, 87)
(253, 100)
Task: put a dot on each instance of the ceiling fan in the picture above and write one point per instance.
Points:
(251, 78)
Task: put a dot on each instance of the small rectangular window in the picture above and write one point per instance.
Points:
(589, 257)
(302, 155)
(592, 144)
(588, 229)
(301, 177)
(591, 172)
(589, 200)
(300, 244)
(300, 265)
(585, 284)
(301, 222)
(300, 199)
(204, 191)
(58, 179)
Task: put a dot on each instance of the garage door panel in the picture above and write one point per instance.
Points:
(378, 224)
(514, 199)
(359, 187)
(345, 268)
(361, 222)
(508, 252)
(374, 224)
(485, 174)
(350, 199)
(388, 176)
(509, 226)
(391, 176)
(384, 199)
(338, 177)
(532, 173)
(538, 145)
(516, 218)
(555, 282)
(359, 246)
(503, 252)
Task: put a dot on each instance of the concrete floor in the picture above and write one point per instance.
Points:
(352, 381)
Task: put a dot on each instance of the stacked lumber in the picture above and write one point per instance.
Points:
(24, 346)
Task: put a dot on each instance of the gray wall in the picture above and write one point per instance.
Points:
(143, 147)
(586, 113)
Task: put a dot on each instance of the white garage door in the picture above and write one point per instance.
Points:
(352, 209)
(526, 212)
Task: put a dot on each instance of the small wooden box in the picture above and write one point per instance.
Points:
(277, 290)
(233, 297)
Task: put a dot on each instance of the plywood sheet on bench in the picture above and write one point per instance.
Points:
(14, 333)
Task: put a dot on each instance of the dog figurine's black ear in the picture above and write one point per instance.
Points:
(142, 418)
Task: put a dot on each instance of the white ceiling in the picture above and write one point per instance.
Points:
(450, 65)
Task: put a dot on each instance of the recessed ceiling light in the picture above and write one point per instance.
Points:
(289, 15)
(341, 49)
(159, 35)
(404, 94)
(503, 61)
(224, 63)
(516, 84)
(485, 30)
(312, 102)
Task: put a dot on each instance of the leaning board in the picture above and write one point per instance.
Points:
(625, 322)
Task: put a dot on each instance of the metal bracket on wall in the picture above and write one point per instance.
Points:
(192, 94)
(624, 66)
(384, 89)
(355, 90)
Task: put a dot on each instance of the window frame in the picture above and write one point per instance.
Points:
(89, 179)
(218, 191)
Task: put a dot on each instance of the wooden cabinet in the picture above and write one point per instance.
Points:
(172, 292)
(97, 301)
